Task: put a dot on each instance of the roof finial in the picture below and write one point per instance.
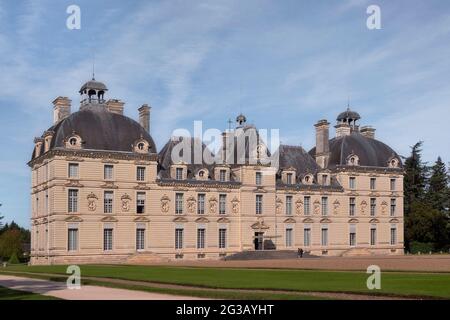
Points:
(93, 66)
(348, 103)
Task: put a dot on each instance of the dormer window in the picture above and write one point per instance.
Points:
(353, 160)
(308, 179)
(325, 180)
(141, 146)
(73, 142)
(179, 174)
(202, 174)
(222, 175)
(393, 163)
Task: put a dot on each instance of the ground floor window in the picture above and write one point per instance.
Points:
(307, 237)
(72, 244)
(200, 238)
(107, 239)
(289, 237)
(140, 239)
(324, 236)
(179, 238)
(222, 238)
(373, 236)
(393, 236)
(352, 239)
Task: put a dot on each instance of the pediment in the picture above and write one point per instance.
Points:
(353, 220)
(141, 219)
(202, 220)
(259, 225)
(290, 220)
(223, 220)
(374, 221)
(73, 219)
(308, 220)
(394, 220)
(108, 219)
(180, 219)
(325, 220)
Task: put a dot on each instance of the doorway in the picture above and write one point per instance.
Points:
(259, 240)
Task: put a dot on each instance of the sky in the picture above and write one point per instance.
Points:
(284, 64)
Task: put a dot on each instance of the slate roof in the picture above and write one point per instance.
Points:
(93, 84)
(100, 130)
(296, 157)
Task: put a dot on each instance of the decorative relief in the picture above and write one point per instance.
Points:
(180, 219)
(279, 205)
(213, 204)
(126, 199)
(308, 220)
(202, 220)
(384, 207)
(363, 206)
(72, 219)
(325, 220)
(191, 204)
(108, 219)
(109, 185)
(289, 220)
(259, 225)
(165, 200)
(141, 219)
(223, 220)
(74, 184)
(141, 186)
(316, 206)
(336, 205)
(353, 220)
(235, 205)
(374, 220)
(92, 198)
(299, 206)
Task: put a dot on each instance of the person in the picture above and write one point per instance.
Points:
(300, 252)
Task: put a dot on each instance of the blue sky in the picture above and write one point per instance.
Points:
(284, 64)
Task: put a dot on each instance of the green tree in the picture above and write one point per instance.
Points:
(11, 243)
(415, 177)
(438, 191)
(1, 218)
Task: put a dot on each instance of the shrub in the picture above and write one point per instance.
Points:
(422, 247)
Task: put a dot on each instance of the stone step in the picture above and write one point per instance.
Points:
(145, 258)
(356, 252)
(266, 255)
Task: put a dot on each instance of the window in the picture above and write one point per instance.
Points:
(289, 178)
(259, 199)
(140, 202)
(392, 184)
(352, 239)
(373, 183)
(108, 172)
(201, 238)
(393, 205)
(307, 237)
(324, 238)
(107, 239)
(352, 206)
(108, 202)
(179, 203)
(324, 206)
(325, 179)
(140, 173)
(258, 178)
(201, 203)
(222, 203)
(73, 200)
(373, 236)
(393, 236)
(73, 141)
(72, 239)
(140, 239)
(223, 175)
(307, 206)
(73, 170)
(373, 206)
(288, 237)
(222, 238)
(179, 238)
(288, 205)
(352, 182)
(179, 174)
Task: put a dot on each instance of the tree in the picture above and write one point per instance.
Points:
(438, 190)
(415, 177)
(1, 218)
(11, 243)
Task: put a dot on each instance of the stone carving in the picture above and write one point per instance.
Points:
(316, 207)
(92, 198)
(299, 206)
(165, 203)
(213, 204)
(235, 205)
(363, 206)
(384, 207)
(191, 204)
(336, 205)
(126, 199)
(279, 205)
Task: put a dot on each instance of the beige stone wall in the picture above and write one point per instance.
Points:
(50, 217)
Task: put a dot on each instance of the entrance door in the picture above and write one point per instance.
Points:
(259, 242)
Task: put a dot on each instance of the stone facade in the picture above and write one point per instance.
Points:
(348, 208)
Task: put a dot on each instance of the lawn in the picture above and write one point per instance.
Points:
(9, 294)
(395, 283)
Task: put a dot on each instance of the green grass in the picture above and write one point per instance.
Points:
(9, 294)
(393, 283)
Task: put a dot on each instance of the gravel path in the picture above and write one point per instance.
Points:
(60, 290)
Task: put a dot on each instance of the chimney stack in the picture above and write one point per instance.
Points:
(115, 106)
(368, 131)
(144, 117)
(61, 109)
(342, 129)
(322, 143)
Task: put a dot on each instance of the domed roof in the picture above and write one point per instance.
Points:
(370, 152)
(93, 84)
(100, 129)
(348, 114)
